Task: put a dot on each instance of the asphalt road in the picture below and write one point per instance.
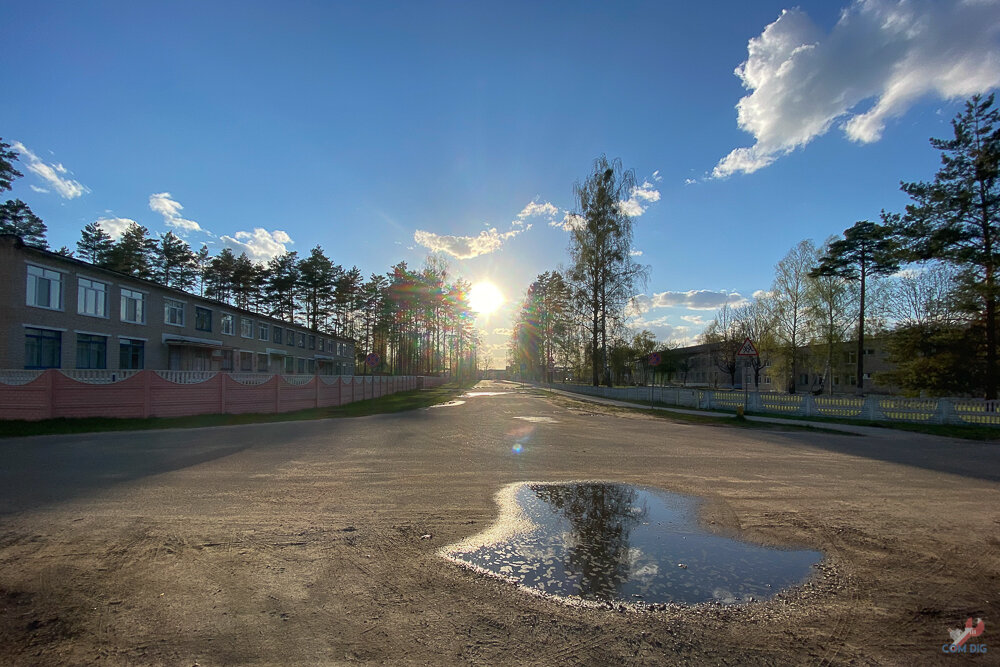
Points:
(304, 542)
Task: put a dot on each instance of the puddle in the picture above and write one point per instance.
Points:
(612, 542)
(447, 404)
(538, 420)
(473, 394)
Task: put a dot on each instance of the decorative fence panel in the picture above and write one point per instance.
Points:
(875, 408)
(34, 395)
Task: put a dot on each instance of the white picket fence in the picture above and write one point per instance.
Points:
(874, 408)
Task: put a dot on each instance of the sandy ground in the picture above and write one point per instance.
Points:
(301, 543)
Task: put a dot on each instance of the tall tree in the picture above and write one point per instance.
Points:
(726, 337)
(755, 320)
(282, 277)
(830, 303)
(316, 284)
(246, 282)
(7, 171)
(219, 276)
(789, 292)
(956, 217)
(17, 218)
(133, 252)
(94, 244)
(867, 249)
(603, 274)
(174, 263)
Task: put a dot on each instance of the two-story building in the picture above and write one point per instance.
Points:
(60, 312)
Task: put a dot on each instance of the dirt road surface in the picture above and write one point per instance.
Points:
(302, 542)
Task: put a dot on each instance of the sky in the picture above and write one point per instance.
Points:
(386, 132)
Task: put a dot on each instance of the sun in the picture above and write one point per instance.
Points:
(485, 297)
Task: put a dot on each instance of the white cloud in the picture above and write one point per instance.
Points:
(665, 331)
(690, 181)
(656, 176)
(170, 209)
(535, 209)
(260, 245)
(889, 52)
(67, 188)
(696, 320)
(641, 197)
(466, 247)
(692, 299)
(569, 222)
(635, 253)
(503, 332)
(38, 189)
(115, 226)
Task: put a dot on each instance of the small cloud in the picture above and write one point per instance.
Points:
(535, 209)
(67, 188)
(170, 209)
(762, 294)
(656, 176)
(635, 253)
(260, 245)
(696, 320)
(503, 332)
(115, 227)
(38, 189)
(692, 300)
(570, 222)
(641, 197)
(690, 181)
(466, 247)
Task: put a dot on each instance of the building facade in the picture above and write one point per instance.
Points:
(59, 312)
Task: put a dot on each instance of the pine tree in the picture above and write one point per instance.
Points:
(956, 218)
(866, 250)
(133, 253)
(280, 279)
(174, 263)
(7, 171)
(94, 244)
(219, 276)
(316, 285)
(17, 218)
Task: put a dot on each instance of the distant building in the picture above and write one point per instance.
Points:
(59, 312)
(695, 366)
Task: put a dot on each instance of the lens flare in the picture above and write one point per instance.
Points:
(485, 297)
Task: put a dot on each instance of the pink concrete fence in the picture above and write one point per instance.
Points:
(34, 395)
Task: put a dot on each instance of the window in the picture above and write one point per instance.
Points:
(301, 365)
(311, 367)
(226, 324)
(836, 380)
(290, 338)
(227, 359)
(289, 365)
(202, 359)
(803, 378)
(202, 319)
(312, 342)
(276, 334)
(869, 351)
(302, 340)
(131, 354)
(246, 327)
(852, 380)
(322, 345)
(767, 379)
(851, 357)
(261, 363)
(91, 297)
(42, 348)
(173, 312)
(91, 351)
(246, 360)
(44, 288)
(263, 331)
(133, 306)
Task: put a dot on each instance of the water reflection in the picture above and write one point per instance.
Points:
(610, 541)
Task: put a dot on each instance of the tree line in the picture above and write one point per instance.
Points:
(414, 321)
(924, 279)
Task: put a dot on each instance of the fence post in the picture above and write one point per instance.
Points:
(50, 392)
(808, 406)
(277, 393)
(870, 409)
(147, 393)
(222, 393)
(945, 413)
(316, 391)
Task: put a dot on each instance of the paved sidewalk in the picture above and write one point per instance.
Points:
(847, 428)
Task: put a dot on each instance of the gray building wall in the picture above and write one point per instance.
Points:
(166, 346)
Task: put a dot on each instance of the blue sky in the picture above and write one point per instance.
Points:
(383, 132)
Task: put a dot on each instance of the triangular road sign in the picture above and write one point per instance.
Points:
(747, 350)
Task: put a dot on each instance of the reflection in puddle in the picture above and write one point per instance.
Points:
(538, 420)
(616, 542)
(473, 394)
(447, 404)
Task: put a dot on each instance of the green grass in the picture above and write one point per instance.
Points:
(399, 402)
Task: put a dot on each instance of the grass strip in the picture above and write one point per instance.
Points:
(398, 402)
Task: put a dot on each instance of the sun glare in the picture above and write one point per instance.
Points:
(485, 297)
